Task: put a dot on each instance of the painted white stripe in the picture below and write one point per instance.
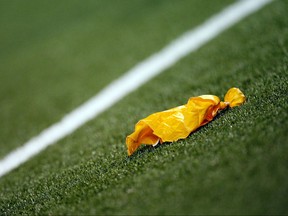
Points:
(137, 76)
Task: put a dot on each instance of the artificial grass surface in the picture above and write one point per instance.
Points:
(237, 164)
(54, 56)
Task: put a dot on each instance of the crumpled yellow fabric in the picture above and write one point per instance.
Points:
(177, 123)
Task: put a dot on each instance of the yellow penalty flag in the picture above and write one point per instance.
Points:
(177, 123)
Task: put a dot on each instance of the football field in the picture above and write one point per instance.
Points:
(55, 55)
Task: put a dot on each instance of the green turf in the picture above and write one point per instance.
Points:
(237, 164)
(55, 56)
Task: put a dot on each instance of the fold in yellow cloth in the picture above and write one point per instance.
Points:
(177, 123)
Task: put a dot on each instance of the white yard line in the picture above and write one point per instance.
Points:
(137, 76)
